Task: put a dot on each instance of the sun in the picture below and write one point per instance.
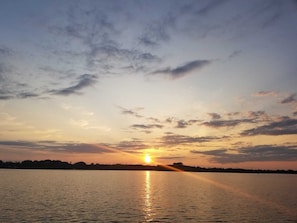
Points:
(147, 158)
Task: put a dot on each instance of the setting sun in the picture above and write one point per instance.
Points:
(147, 158)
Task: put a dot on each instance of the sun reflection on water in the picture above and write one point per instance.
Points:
(147, 198)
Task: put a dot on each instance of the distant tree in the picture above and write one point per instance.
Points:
(80, 165)
(27, 164)
(178, 164)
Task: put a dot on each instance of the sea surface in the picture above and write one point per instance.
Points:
(145, 196)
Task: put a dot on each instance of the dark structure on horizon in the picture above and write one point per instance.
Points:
(57, 164)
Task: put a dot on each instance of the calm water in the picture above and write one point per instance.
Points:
(145, 196)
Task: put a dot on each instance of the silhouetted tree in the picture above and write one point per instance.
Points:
(80, 165)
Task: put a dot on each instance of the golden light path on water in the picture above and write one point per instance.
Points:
(233, 190)
(147, 198)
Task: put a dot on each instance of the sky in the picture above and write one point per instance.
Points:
(208, 83)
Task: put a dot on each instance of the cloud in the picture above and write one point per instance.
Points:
(290, 99)
(252, 153)
(214, 152)
(13, 89)
(234, 54)
(170, 157)
(27, 95)
(233, 114)
(173, 139)
(175, 20)
(158, 31)
(184, 124)
(18, 143)
(112, 58)
(286, 126)
(5, 97)
(249, 18)
(134, 112)
(89, 24)
(265, 93)
(57, 73)
(226, 123)
(130, 145)
(217, 120)
(209, 7)
(82, 148)
(149, 126)
(5, 51)
(5, 66)
(258, 115)
(53, 146)
(98, 33)
(183, 70)
(147, 41)
(83, 81)
(152, 119)
(181, 124)
(155, 122)
(73, 147)
(214, 115)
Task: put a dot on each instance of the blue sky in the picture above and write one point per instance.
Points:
(210, 83)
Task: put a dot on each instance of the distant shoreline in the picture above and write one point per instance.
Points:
(57, 164)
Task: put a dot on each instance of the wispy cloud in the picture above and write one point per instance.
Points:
(148, 126)
(158, 31)
(209, 7)
(264, 93)
(98, 33)
(131, 112)
(113, 59)
(251, 154)
(185, 123)
(183, 70)
(290, 99)
(258, 116)
(170, 157)
(235, 54)
(57, 147)
(83, 81)
(27, 95)
(131, 145)
(226, 123)
(6, 94)
(18, 90)
(174, 139)
(250, 18)
(5, 97)
(214, 115)
(5, 51)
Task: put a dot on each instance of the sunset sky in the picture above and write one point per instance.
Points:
(207, 83)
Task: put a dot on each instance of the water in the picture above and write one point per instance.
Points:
(145, 196)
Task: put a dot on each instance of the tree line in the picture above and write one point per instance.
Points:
(58, 164)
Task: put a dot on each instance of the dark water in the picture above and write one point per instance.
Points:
(143, 196)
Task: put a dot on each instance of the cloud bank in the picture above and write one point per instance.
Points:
(286, 126)
(252, 154)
